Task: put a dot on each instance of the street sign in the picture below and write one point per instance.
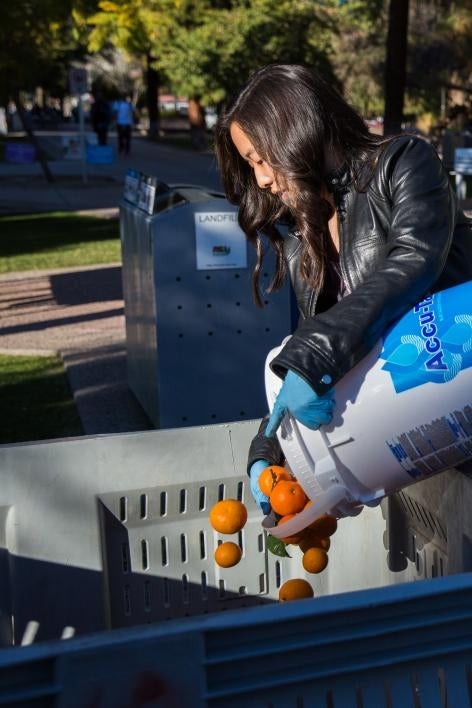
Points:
(78, 85)
(78, 81)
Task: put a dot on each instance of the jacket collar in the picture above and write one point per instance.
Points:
(338, 179)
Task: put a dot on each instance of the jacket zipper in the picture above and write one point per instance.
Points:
(341, 255)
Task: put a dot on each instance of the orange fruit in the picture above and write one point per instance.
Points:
(324, 526)
(289, 539)
(295, 589)
(228, 516)
(310, 540)
(270, 476)
(287, 498)
(227, 554)
(315, 560)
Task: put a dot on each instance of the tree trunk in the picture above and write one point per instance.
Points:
(26, 123)
(196, 117)
(395, 65)
(152, 95)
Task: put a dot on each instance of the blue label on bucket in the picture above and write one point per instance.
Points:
(432, 342)
(431, 447)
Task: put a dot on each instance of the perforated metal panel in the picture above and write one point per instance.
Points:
(158, 550)
(158, 546)
(429, 525)
(196, 341)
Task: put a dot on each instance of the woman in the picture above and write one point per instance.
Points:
(373, 227)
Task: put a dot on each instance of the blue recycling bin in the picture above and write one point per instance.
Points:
(20, 153)
(100, 154)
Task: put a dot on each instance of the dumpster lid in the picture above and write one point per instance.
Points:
(168, 196)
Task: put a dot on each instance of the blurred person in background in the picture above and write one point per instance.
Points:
(455, 135)
(124, 117)
(100, 116)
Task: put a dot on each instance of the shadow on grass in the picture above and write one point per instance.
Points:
(33, 233)
(36, 400)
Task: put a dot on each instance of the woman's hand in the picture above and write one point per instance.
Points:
(254, 474)
(298, 398)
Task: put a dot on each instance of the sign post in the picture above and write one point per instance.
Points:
(78, 85)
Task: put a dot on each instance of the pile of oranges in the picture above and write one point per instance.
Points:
(287, 498)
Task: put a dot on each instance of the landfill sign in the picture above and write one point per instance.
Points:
(220, 243)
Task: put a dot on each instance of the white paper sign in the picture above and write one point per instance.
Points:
(131, 188)
(220, 243)
(147, 193)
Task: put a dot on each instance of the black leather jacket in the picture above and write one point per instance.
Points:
(400, 238)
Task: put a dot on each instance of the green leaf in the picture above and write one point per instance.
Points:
(277, 547)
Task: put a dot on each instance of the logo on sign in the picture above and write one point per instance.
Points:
(221, 250)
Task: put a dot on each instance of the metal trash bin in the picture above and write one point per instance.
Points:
(196, 342)
(111, 532)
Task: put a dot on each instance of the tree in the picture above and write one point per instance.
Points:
(358, 52)
(38, 40)
(37, 44)
(395, 66)
(206, 62)
(206, 49)
(134, 26)
(440, 52)
(113, 74)
(439, 40)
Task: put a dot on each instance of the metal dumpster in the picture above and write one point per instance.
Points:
(196, 342)
(111, 533)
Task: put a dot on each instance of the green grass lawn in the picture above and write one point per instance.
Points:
(56, 240)
(36, 400)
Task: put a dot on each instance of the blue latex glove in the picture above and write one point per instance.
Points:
(298, 398)
(254, 474)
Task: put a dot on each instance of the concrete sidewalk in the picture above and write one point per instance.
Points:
(79, 312)
(24, 189)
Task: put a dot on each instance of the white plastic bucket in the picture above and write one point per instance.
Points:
(402, 414)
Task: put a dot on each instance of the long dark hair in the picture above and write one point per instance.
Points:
(298, 123)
